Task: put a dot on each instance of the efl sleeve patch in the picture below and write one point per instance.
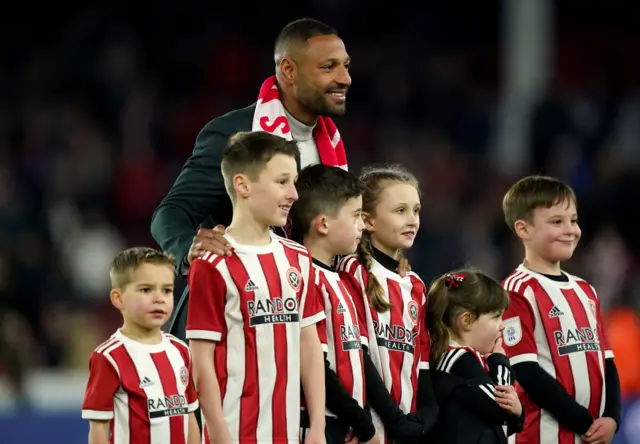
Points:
(512, 333)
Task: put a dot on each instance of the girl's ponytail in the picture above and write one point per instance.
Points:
(374, 289)
(438, 301)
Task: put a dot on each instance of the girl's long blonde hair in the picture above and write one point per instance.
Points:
(374, 180)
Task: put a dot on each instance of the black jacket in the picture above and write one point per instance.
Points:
(464, 389)
(197, 198)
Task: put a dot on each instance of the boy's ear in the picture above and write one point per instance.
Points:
(241, 185)
(369, 221)
(522, 229)
(116, 298)
(321, 224)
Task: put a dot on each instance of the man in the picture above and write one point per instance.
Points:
(310, 86)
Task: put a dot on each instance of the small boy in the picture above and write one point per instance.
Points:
(140, 389)
(553, 329)
(252, 315)
(327, 216)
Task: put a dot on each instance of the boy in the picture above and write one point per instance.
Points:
(553, 331)
(252, 315)
(327, 216)
(140, 389)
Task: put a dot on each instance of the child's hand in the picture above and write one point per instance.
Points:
(497, 347)
(351, 438)
(507, 398)
(601, 431)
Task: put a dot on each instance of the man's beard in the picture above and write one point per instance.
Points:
(318, 103)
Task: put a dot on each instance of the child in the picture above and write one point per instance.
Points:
(553, 331)
(252, 315)
(140, 388)
(328, 217)
(476, 395)
(392, 306)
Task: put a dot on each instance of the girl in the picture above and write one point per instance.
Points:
(393, 307)
(472, 377)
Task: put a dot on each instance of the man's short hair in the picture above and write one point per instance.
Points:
(297, 33)
(322, 189)
(248, 152)
(533, 192)
(127, 261)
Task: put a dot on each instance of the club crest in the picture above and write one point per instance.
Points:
(412, 311)
(184, 375)
(294, 278)
(592, 307)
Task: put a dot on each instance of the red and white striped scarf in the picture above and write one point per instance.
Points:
(270, 117)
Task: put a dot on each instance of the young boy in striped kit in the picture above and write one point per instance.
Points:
(553, 328)
(252, 315)
(140, 389)
(327, 216)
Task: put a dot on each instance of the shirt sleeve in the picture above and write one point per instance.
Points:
(478, 394)
(353, 282)
(207, 298)
(602, 332)
(191, 394)
(612, 406)
(101, 388)
(518, 337)
(425, 346)
(547, 393)
(322, 325)
(347, 409)
(312, 308)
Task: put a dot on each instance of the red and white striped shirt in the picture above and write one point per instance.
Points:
(145, 391)
(254, 305)
(401, 345)
(340, 333)
(559, 326)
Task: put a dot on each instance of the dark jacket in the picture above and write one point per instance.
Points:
(197, 198)
(469, 413)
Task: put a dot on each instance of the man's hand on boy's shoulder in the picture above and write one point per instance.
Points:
(211, 240)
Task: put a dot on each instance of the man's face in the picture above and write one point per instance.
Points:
(323, 76)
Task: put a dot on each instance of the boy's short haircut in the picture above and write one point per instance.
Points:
(248, 153)
(127, 261)
(533, 192)
(322, 189)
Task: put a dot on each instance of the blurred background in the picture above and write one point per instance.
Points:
(99, 109)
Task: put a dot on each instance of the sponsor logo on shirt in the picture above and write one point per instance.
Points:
(350, 337)
(395, 337)
(146, 382)
(575, 340)
(555, 312)
(272, 311)
(174, 405)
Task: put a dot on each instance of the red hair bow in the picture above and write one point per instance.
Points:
(453, 280)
